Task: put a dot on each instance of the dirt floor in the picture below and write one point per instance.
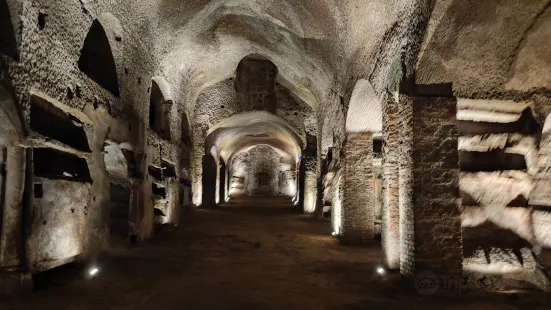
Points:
(258, 255)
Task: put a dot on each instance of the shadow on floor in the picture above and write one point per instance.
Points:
(248, 257)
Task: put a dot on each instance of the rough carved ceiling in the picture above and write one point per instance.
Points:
(488, 46)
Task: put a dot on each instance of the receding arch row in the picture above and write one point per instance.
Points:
(251, 128)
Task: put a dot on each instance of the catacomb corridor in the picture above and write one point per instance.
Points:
(275, 154)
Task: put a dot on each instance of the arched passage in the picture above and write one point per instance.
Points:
(96, 59)
(8, 39)
(243, 132)
(209, 180)
(160, 106)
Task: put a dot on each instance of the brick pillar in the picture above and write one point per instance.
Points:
(541, 193)
(433, 180)
(540, 196)
(336, 202)
(390, 233)
(358, 212)
(405, 187)
(310, 187)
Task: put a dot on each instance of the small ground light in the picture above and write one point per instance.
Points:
(380, 270)
(334, 234)
(93, 271)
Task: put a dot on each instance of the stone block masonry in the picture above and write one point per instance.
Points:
(358, 213)
(405, 189)
(541, 194)
(436, 213)
(390, 235)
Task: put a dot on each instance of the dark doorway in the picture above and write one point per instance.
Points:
(209, 181)
(301, 183)
(8, 41)
(119, 207)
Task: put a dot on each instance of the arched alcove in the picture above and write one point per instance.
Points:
(255, 83)
(186, 131)
(209, 180)
(160, 104)
(365, 109)
(8, 39)
(96, 59)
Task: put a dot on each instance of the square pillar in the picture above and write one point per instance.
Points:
(429, 175)
(540, 196)
(405, 186)
(310, 185)
(541, 193)
(358, 212)
(390, 233)
(196, 164)
(308, 189)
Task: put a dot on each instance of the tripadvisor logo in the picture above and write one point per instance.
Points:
(426, 283)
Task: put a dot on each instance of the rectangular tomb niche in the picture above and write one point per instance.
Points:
(60, 190)
(58, 122)
(166, 170)
(57, 165)
(160, 199)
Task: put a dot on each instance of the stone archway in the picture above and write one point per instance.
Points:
(96, 58)
(8, 36)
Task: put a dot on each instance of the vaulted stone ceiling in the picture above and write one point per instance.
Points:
(488, 47)
(243, 131)
(311, 42)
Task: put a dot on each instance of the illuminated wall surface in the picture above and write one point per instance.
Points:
(113, 119)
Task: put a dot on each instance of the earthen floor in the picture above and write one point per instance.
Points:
(260, 256)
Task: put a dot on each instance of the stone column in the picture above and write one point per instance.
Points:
(429, 173)
(221, 183)
(336, 203)
(309, 190)
(218, 187)
(310, 185)
(390, 233)
(196, 164)
(358, 214)
(405, 187)
(226, 184)
(541, 193)
(12, 216)
(540, 196)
